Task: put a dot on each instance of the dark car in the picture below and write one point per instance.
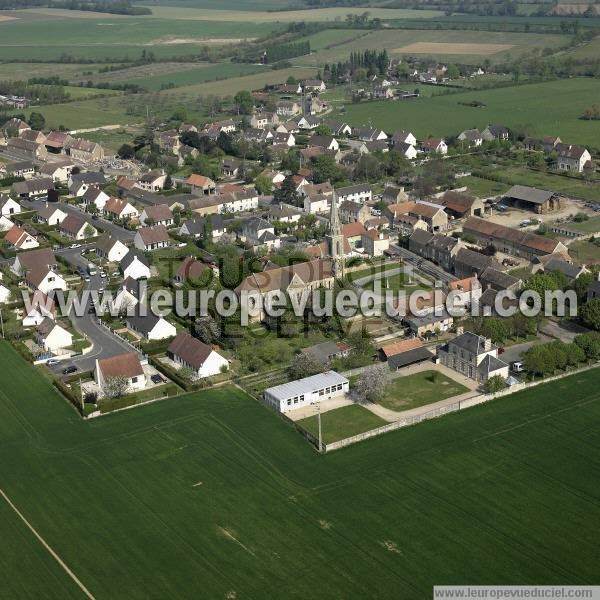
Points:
(69, 370)
(92, 310)
(158, 379)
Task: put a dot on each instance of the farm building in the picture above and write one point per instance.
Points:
(534, 199)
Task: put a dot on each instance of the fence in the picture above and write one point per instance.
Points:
(443, 410)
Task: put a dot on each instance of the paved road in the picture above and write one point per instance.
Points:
(426, 266)
(105, 344)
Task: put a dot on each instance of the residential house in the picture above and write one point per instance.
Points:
(77, 228)
(284, 139)
(314, 85)
(153, 181)
(283, 213)
(201, 185)
(263, 120)
(152, 238)
(315, 204)
(53, 337)
(94, 196)
(15, 126)
(308, 122)
(8, 206)
(374, 242)
(59, 171)
(19, 239)
(125, 367)
(328, 142)
(353, 211)
(45, 279)
(369, 134)
(22, 168)
(230, 167)
(80, 182)
(117, 208)
(259, 232)
(159, 214)
(438, 248)
(168, 141)
(287, 108)
(27, 149)
(33, 188)
(338, 128)
(192, 270)
(359, 193)
(131, 293)
(473, 356)
(229, 202)
(403, 137)
(191, 353)
(572, 158)
(150, 326)
(495, 132)
(37, 308)
(394, 195)
(213, 225)
(434, 145)
(433, 214)
(4, 294)
(471, 137)
(465, 292)
(33, 260)
(326, 352)
(314, 105)
(110, 248)
(50, 214)
(135, 266)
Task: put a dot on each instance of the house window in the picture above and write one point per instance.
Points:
(296, 400)
(134, 380)
(339, 386)
(327, 390)
(321, 392)
(289, 402)
(302, 398)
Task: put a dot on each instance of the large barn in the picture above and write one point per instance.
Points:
(534, 199)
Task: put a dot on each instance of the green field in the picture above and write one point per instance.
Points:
(483, 187)
(585, 252)
(549, 108)
(214, 496)
(474, 46)
(592, 225)
(419, 389)
(342, 423)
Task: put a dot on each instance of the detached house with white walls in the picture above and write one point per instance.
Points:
(110, 248)
(134, 265)
(187, 351)
(125, 366)
(152, 238)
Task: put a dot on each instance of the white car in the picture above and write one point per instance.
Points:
(51, 361)
(75, 246)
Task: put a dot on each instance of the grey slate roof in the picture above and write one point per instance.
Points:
(410, 357)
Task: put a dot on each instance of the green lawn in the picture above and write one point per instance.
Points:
(372, 270)
(592, 225)
(342, 423)
(550, 108)
(483, 188)
(212, 495)
(585, 252)
(396, 283)
(419, 389)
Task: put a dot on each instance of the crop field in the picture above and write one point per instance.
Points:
(213, 495)
(460, 46)
(549, 108)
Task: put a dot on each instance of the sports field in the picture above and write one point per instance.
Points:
(549, 108)
(214, 496)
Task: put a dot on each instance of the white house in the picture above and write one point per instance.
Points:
(96, 197)
(159, 214)
(131, 293)
(111, 249)
(134, 265)
(20, 239)
(8, 206)
(190, 352)
(45, 279)
(120, 209)
(51, 336)
(316, 204)
(152, 238)
(472, 137)
(77, 228)
(51, 215)
(409, 151)
(4, 294)
(151, 326)
(37, 308)
(5, 224)
(304, 392)
(434, 145)
(403, 137)
(464, 292)
(153, 181)
(123, 366)
(59, 171)
(572, 158)
(359, 193)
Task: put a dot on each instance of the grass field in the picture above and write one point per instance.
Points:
(447, 45)
(214, 496)
(483, 187)
(585, 252)
(549, 108)
(342, 423)
(592, 225)
(419, 389)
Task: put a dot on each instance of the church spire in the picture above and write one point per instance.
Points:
(335, 239)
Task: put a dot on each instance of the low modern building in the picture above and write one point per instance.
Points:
(304, 392)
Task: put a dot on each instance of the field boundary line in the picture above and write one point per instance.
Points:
(42, 541)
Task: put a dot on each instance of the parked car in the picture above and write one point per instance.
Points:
(518, 366)
(51, 361)
(69, 370)
(75, 246)
(158, 379)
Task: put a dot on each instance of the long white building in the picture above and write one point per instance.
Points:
(303, 392)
